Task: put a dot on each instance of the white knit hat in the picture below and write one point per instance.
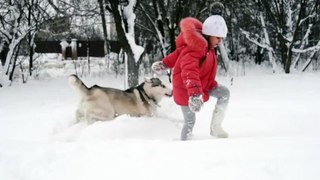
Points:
(215, 26)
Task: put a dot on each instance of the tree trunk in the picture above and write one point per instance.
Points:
(266, 36)
(104, 28)
(295, 36)
(30, 39)
(31, 59)
(288, 61)
(133, 70)
(14, 63)
(172, 40)
(133, 76)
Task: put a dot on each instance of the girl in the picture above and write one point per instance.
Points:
(194, 64)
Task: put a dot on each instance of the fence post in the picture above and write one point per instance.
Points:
(64, 44)
(74, 49)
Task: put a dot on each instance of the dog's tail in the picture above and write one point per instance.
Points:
(78, 85)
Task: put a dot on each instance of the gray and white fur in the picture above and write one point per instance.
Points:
(105, 103)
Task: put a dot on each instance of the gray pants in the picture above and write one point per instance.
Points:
(222, 94)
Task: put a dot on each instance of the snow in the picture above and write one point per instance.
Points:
(272, 120)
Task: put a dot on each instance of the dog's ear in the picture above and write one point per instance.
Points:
(147, 80)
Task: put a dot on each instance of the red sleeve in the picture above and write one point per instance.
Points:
(171, 59)
(190, 72)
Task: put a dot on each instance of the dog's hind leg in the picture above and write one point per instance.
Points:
(79, 115)
(99, 115)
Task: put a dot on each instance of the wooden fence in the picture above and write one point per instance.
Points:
(82, 48)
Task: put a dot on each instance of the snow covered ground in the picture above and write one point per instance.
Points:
(273, 122)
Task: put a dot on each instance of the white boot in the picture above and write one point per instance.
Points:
(218, 132)
(217, 118)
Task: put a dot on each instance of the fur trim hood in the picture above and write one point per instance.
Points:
(191, 35)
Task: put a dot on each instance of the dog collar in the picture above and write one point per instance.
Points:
(143, 94)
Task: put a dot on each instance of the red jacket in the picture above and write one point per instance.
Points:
(194, 66)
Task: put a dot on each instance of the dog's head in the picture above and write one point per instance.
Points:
(155, 88)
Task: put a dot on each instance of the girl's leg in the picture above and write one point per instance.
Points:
(189, 121)
(222, 94)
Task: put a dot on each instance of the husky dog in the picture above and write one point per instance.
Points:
(104, 103)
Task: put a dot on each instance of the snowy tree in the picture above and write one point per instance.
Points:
(161, 19)
(289, 17)
(19, 20)
(85, 17)
(288, 23)
(286, 32)
(124, 18)
(104, 27)
(159, 22)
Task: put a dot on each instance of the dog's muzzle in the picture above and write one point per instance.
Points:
(169, 95)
